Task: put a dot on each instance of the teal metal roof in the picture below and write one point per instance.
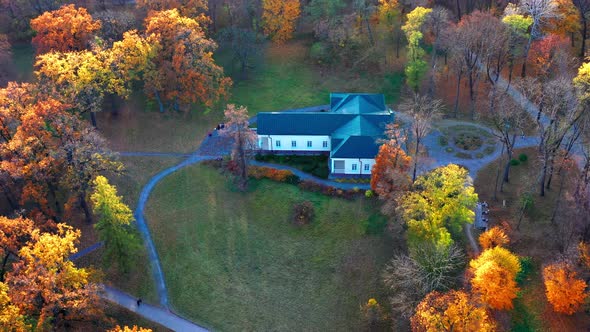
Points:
(364, 147)
(355, 122)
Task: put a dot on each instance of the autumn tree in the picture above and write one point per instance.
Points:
(424, 111)
(518, 25)
(185, 71)
(493, 237)
(11, 318)
(389, 175)
(409, 278)
(244, 140)
(46, 285)
(494, 277)
(437, 23)
(114, 224)
(564, 290)
(279, 18)
(195, 9)
(416, 67)
(452, 311)
(81, 79)
(442, 201)
(114, 23)
(14, 234)
(66, 29)
(541, 11)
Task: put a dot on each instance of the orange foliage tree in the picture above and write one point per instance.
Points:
(14, 234)
(564, 290)
(493, 237)
(452, 311)
(184, 71)
(66, 29)
(134, 328)
(389, 176)
(494, 277)
(279, 18)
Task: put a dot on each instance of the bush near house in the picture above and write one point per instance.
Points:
(279, 175)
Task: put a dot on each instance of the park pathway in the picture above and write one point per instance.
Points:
(155, 314)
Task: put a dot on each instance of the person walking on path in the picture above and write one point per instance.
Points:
(139, 302)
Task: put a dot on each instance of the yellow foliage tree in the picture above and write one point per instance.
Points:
(452, 311)
(44, 283)
(494, 277)
(564, 290)
(279, 18)
(11, 318)
(493, 237)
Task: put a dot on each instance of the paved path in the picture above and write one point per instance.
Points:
(150, 312)
(144, 230)
(155, 154)
(468, 228)
(85, 251)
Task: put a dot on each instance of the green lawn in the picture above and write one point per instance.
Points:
(285, 79)
(23, 56)
(233, 261)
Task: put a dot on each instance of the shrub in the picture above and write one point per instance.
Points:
(303, 213)
(279, 175)
(369, 193)
(443, 141)
(523, 157)
(514, 162)
(321, 172)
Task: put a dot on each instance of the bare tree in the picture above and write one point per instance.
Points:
(237, 127)
(410, 278)
(583, 7)
(508, 120)
(437, 22)
(423, 110)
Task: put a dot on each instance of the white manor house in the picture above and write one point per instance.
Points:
(348, 132)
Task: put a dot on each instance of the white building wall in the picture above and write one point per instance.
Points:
(300, 141)
(349, 165)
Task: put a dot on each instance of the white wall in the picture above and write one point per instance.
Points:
(301, 141)
(348, 165)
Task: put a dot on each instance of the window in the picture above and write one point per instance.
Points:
(367, 167)
(293, 144)
(325, 144)
(309, 144)
(278, 143)
(354, 167)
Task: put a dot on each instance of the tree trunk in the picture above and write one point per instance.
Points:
(542, 180)
(416, 159)
(85, 208)
(369, 31)
(4, 262)
(54, 195)
(398, 42)
(526, 56)
(584, 34)
(550, 175)
(157, 95)
(506, 176)
(558, 199)
(458, 10)
(93, 119)
(498, 176)
(456, 111)
(472, 95)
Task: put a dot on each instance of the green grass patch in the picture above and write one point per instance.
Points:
(449, 149)
(523, 320)
(443, 141)
(234, 261)
(23, 57)
(315, 165)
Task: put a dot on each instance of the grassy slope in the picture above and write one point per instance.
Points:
(234, 262)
